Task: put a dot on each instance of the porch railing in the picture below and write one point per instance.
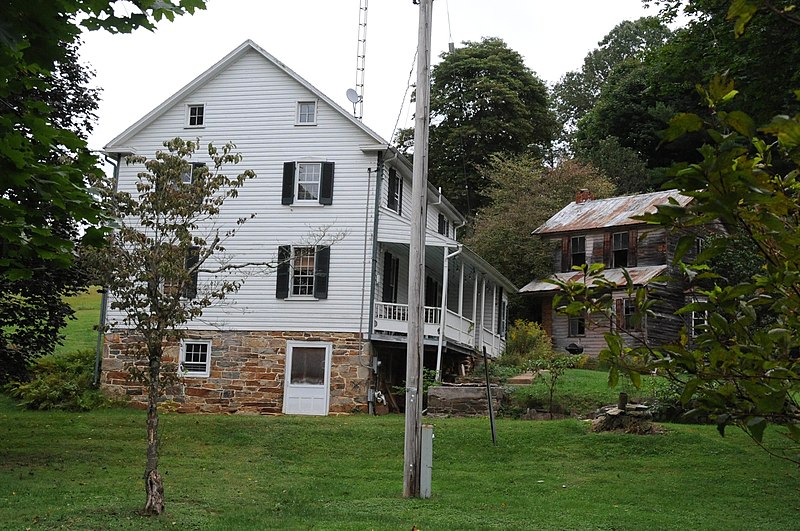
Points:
(392, 317)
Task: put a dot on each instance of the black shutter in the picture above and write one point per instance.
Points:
(607, 249)
(326, 185)
(633, 244)
(282, 280)
(566, 259)
(441, 224)
(393, 197)
(192, 259)
(500, 311)
(387, 277)
(321, 266)
(287, 195)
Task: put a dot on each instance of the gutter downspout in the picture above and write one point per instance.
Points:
(443, 316)
(375, 219)
(373, 270)
(101, 328)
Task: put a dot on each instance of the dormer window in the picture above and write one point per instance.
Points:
(306, 113)
(195, 115)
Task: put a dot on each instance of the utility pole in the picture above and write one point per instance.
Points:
(416, 259)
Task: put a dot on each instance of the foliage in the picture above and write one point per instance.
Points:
(167, 233)
(526, 341)
(523, 195)
(46, 113)
(743, 368)
(638, 99)
(577, 92)
(484, 101)
(550, 369)
(60, 381)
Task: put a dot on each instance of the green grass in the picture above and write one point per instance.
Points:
(83, 471)
(81, 333)
(581, 391)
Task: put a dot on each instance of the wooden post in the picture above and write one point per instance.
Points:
(416, 260)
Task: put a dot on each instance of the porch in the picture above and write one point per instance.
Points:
(465, 300)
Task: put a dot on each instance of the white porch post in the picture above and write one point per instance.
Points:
(475, 310)
(443, 313)
(483, 312)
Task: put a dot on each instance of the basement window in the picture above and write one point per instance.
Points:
(195, 360)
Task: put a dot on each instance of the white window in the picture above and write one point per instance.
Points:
(195, 115)
(187, 176)
(306, 113)
(195, 360)
(303, 271)
(308, 180)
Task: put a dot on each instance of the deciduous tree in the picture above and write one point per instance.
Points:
(484, 101)
(46, 113)
(523, 194)
(168, 234)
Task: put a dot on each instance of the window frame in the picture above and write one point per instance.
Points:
(297, 182)
(394, 191)
(580, 325)
(182, 359)
(629, 316)
(624, 239)
(299, 114)
(573, 253)
(308, 275)
(188, 120)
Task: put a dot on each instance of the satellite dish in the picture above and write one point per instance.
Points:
(352, 95)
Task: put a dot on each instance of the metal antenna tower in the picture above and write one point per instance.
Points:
(361, 54)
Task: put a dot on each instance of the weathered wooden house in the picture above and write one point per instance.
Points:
(328, 331)
(590, 231)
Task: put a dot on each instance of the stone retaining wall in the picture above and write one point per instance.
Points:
(462, 400)
(247, 372)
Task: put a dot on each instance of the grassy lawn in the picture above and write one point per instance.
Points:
(80, 333)
(233, 472)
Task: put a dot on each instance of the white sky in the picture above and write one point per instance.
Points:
(318, 40)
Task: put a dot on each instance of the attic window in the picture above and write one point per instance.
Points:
(195, 115)
(306, 113)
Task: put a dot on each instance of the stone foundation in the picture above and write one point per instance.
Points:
(247, 372)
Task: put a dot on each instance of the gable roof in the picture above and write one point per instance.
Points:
(117, 145)
(605, 213)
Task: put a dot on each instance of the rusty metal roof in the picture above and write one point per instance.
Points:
(605, 213)
(640, 276)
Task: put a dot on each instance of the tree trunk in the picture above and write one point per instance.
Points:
(153, 484)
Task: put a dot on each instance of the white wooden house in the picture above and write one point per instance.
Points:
(328, 329)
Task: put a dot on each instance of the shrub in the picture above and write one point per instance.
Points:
(526, 341)
(62, 381)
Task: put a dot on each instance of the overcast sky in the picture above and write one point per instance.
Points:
(318, 40)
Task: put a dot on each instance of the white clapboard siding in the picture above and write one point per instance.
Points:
(253, 104)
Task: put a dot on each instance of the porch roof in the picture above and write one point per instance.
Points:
(640, 276)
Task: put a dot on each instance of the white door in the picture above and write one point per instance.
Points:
(308, 373)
